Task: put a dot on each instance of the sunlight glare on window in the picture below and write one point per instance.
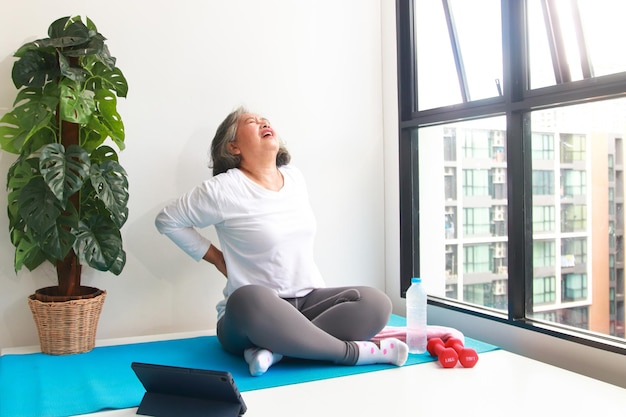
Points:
(572, 40)
(459, 51)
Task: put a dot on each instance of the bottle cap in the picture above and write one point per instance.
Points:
(415, 279)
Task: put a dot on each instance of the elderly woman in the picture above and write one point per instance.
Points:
(275, 301)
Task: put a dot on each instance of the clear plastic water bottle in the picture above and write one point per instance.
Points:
(416, 331)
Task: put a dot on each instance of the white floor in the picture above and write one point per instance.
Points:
(501, 384)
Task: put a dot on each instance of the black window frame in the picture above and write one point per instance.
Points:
(515, 103)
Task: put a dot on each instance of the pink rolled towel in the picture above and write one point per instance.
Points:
(399, 332)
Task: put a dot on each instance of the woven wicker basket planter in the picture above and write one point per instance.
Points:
(67, 327)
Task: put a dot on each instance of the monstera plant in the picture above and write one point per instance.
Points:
(67, 192)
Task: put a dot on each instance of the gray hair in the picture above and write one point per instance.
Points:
(221, 158)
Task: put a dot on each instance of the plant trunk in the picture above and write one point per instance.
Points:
(68, 274)
(69, 269)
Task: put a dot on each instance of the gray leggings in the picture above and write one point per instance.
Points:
(322, 325)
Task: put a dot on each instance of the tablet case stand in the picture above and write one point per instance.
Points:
(186, 392)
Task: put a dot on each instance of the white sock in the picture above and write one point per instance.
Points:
(391, 351)
(259, 360)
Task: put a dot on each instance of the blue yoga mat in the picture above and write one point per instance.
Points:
(44, 385)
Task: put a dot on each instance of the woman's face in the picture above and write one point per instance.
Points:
(254, 136)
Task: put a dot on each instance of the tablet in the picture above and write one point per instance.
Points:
(181, 392)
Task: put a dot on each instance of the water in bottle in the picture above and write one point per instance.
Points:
(416, 331)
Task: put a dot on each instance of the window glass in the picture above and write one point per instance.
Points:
(543, 253)
(603, 22)
(584, 172)
(477, 221)
(543, 182)
(466, 214)
(569, 156)
(543, 219)
(542, 146)
(572, 40)
(572, 219)
(450, 68)
(544, 290)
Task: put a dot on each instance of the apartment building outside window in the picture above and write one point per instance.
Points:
(512, 121)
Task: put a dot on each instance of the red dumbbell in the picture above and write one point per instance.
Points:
(467, 356)
(447, 356)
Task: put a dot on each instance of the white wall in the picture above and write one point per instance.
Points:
(312, 67)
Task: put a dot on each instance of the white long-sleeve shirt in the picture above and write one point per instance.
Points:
(266, 236)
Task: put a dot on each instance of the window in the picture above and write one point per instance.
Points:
(475, 182)
(450, 183)
(542, 147)
(577, 32)
(476, 144)
(476, 258)
(544, 253)
(573, 147)
(512, 121)
(476, 222)
(574, 182)
(574, 252)
(543, 182)
(544, 291)
(543, 219)
(574, 218)
(449, 143)
(462, 73)
(574, 287)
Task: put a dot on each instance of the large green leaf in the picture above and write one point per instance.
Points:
(64, 170)
(59, 239)
(107, 105)
(91, 25)
(39, 229)
(94, 46)
(28, 253)
(21, 172)
(33, 46)
(103, 153)
(77, 104)
(39, 101)
(110, 183)
(67, 31)
(105, 57)
(111, 79)
(15, 220)
(106, 123)
(45, 220)
(15, 140)
(17, 231)
(12, 135)
(74, 73)
(31, 123)
(19, 175)
(118, 264)
(93, 134)
(35, 68)
(99, 243)
(38, 206)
